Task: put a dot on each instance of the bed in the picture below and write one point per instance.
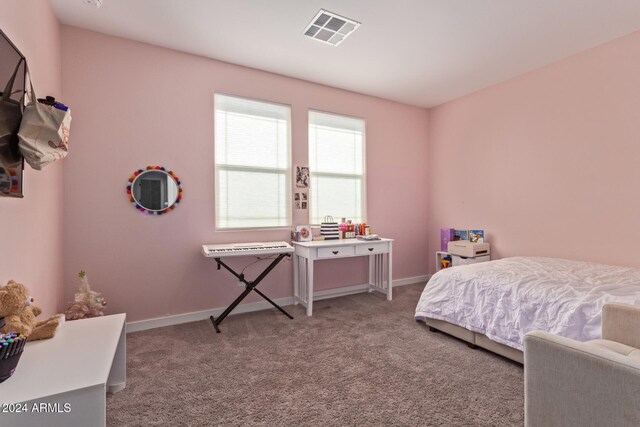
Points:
(494, 304)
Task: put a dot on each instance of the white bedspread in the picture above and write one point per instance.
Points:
(507, 298)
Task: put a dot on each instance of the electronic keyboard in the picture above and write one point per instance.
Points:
(246, 249)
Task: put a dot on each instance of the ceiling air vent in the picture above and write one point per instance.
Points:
(327, 27)
(94, 3)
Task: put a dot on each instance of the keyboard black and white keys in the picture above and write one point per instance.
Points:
(218, 252)
(246, 249)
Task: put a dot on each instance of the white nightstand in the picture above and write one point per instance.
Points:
(459, 260)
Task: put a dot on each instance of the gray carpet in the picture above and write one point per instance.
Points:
(360, 360)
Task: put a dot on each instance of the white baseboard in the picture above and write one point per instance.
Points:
(411, 280)
(195, 316)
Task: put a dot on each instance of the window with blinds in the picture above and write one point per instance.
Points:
(336, 163)
(252, 157)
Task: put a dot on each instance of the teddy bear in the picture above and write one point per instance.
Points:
(20, 314)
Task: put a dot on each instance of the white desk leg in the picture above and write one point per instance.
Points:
(118, 374)
(309, 286)
(390, 272)
(370, 269)
(296, 278)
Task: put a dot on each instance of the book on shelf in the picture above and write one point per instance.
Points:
(446, 235)
(460, 234)
(476, 236)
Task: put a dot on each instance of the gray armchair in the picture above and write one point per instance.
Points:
(595, 383)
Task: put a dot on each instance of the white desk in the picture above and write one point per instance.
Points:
(75, 368)
(307, 252)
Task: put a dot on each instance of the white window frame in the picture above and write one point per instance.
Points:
(286, 171)
(363, 177)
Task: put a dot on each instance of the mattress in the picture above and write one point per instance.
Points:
(507, 298)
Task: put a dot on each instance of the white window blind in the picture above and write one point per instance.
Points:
(253, 172)
(336, 162)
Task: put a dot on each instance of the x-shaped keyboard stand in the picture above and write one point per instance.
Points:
(249, 286)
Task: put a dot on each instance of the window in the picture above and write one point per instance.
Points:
(336, 162)
(253, 173)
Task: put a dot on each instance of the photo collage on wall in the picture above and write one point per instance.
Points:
(301, 198)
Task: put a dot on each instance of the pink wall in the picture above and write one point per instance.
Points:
(31, 249)
(136, 104)
(547, 163)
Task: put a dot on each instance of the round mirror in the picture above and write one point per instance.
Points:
(154, 190)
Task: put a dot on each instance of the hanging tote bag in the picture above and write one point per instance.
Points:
(44, 131)
(10, 117)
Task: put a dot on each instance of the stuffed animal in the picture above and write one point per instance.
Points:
(87, 303)
(20, 315)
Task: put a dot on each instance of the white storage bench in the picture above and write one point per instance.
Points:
(63, 381)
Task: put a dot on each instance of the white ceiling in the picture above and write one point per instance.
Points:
(419, 52)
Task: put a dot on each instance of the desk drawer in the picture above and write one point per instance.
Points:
(371, 249)
(335, 252)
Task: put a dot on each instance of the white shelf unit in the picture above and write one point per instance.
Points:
(459, 260)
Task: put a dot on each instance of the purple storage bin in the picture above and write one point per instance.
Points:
(446, 235)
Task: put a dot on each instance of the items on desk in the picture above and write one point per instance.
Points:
(346, 229)
(11, 348)
(368, 237)
(329, 229)
(306, 233)
(315, 233)
(302, 233)
(349, 230)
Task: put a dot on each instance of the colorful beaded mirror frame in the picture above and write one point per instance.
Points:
(154, 190)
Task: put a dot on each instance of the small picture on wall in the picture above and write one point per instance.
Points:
(300, 200)
(302, 176)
